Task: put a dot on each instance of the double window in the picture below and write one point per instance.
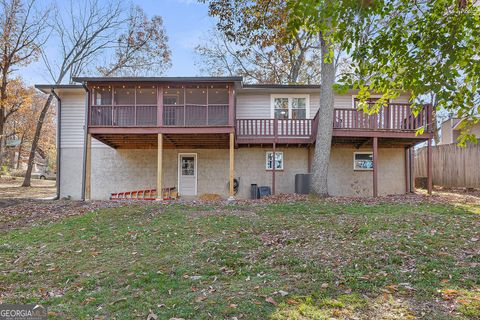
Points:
(290, 106)
(278, 160)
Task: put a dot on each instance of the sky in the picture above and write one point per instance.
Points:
(186, 23)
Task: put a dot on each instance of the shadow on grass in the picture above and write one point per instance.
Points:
(305, 260)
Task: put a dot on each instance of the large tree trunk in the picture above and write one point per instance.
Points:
(323, 143)
(36, 138)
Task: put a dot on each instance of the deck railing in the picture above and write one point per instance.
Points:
(280, 128)
(394, 117)
(123, 116)
(146, 116)
(195, 115)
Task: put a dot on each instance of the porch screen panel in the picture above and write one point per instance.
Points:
(146, 106)
(101, 106)
(218, 105)
(196, 106)
(173, 106)
(124, 106)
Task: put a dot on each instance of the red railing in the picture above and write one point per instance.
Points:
(195, 115)
(146, 116)
(123, 116)
(395, 116)
(280, 128)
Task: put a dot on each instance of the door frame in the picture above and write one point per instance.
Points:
(180, 169)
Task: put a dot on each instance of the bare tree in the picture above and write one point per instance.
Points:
(82, 34)
(141, 49)
(291, 62)
(22, 29)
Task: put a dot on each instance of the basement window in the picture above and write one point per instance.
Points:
(278, 160)
(363, 161)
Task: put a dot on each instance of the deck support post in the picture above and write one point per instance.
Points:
(429, 167)
(375, 167)
(407, 169)
(160, 167)
(231, 190)
(88, 167)
(273, 167)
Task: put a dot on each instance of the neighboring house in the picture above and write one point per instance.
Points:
(17, 159)
(451, 130)
(199, 134)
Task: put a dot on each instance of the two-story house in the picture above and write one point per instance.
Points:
(452, 128)
(202, 134)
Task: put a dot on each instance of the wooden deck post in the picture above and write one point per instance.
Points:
(88, 168)
(160, 167)
(159, 106)
(232, 167)
(407, 169)
(429, 167)
(273, 167)
(375, 167)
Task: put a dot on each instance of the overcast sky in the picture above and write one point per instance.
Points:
(186, 23)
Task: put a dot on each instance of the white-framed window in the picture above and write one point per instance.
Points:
(363, 161)
(289, 106)
(278, 160)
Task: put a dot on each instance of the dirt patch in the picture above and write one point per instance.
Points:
(11, 188)
(15, 213)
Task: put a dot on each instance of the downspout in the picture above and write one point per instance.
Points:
(59, 141)
(87, 118)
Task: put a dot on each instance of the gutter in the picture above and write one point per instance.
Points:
(59, 141)
(87, 112)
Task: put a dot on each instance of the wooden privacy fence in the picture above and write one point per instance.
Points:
(453, 166)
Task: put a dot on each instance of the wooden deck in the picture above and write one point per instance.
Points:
(120, 114)
(395, 121)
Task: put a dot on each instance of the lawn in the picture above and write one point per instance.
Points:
(303, 260)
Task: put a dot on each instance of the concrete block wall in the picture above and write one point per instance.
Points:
(123, 170)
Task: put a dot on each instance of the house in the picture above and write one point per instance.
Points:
(451, 130)
(16, 156)
(199, 134)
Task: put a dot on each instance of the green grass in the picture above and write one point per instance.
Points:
(305, 260)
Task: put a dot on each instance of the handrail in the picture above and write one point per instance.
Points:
(394, 117)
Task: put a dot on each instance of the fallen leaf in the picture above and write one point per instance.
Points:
(152, 316)
(270, 300)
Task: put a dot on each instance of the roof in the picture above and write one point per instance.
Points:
(46, 88)
(281, 86)
(157, 79)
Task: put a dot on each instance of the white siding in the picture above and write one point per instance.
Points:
(257, 105)
(73, 119)
(253, 106)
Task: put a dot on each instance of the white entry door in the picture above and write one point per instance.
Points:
(187, 174)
